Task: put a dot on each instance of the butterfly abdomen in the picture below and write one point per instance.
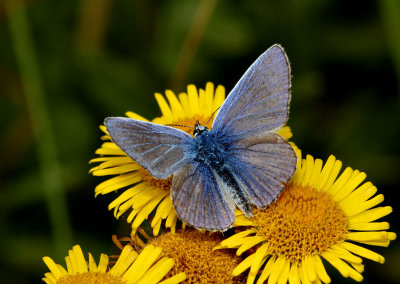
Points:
(215, 154)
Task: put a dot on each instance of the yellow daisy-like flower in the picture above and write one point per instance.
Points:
(319, 215)
(142, 193)
(150, 266)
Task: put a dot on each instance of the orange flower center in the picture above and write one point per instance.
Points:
(303, 221)
(193, 253)
(90, 278)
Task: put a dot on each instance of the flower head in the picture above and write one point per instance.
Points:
(147, 267)
(193, 252)
(142, 193)
(318, 215)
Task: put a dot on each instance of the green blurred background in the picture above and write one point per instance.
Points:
(67, 64)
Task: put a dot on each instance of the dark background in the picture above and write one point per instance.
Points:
(99, 58)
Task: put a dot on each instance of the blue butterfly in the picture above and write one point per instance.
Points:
(239, 162)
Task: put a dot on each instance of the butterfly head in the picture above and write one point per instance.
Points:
(198, 129)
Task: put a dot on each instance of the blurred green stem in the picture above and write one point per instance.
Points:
(192, 42)
(390, 13)
(50, 167)
(92, 23)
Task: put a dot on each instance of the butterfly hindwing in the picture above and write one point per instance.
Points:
(262, 164)
(260, 100)
(200, 200)
(162, 150)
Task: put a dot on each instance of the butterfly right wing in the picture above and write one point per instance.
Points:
(200, 199)
(262, 165)
(260, 100)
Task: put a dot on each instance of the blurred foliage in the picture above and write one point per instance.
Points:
(101, 58)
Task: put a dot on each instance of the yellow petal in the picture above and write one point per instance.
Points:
(49, 279)
(209, 92)
(368, 236)
(176, 107)
(237, 239)
(146, 259)
(92, 264)
(183, 98)
(248, 243)
(165, 110)
(337, 263)
(245, 264)
(316, 172)
(320, 269)
(157, 271)
(259, 258)
(117, 182)
(80, 259)
(371, 215)
(344, 254)
(193, 99)
(52, 266)
(103, 263)
(175, 279)
(283, 279)
(342, 179)
(267, 270)
(373, 226)
(332, 175)
(294, 274)
(276, 270)
(171, 220)
(347, 188)
(309, 165)
(112, 162)
(219, 97)
(303, 275)
(241, 220)
(309, 266)
(133, 115)
(128, 255)
(114, 171)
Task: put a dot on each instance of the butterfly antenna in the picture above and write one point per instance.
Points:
(211, 116)
(180, 125)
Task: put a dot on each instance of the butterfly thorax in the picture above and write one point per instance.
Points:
(209, 150)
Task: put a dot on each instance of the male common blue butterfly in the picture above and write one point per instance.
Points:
(240, 161)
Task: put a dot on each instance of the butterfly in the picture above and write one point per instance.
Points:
(239, 162)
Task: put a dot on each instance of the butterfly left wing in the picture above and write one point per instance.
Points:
(160, 149)
(261, 165)
(200, 199)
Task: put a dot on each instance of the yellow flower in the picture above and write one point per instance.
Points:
(318, 215)
(193, 253)
(147, 267)
(142, 193)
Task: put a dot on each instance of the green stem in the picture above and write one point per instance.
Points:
(192, 42)
(46, 150)
(390, 13)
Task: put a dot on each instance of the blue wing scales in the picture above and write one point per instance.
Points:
(262, 164)
(260, 100)
(199, 200)
(162, 150)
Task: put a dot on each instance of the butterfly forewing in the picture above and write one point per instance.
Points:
(162, 150)
(259, 101)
